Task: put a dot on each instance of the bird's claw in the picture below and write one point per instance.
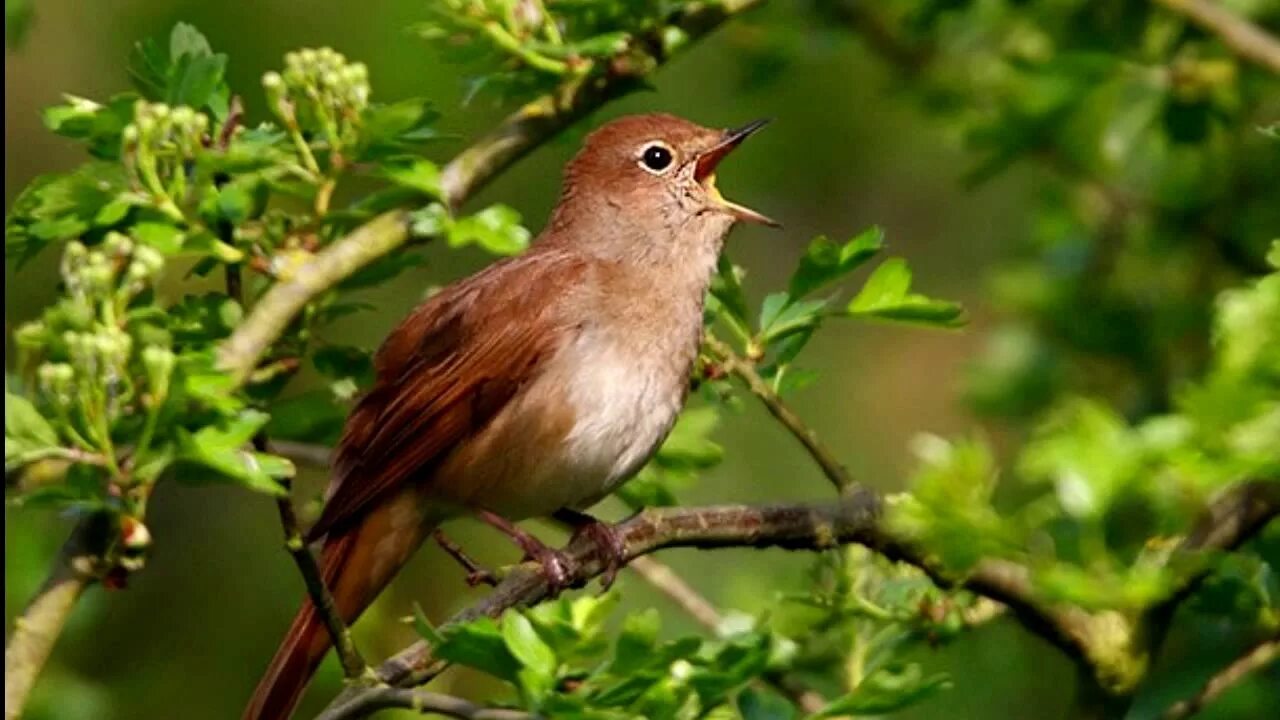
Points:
(609, 547)
(476, 573)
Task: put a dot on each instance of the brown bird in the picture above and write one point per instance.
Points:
(534, 387)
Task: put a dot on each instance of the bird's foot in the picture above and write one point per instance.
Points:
(476, 573)
(608, 542)
(558, 568)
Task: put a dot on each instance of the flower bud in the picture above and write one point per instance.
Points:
(30, 335)
(149, 258)
(158, 363)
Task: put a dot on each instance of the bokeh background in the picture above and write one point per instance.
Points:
(191, 633)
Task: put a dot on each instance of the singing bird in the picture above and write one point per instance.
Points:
(534, 387)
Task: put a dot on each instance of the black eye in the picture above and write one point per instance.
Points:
(656, 158)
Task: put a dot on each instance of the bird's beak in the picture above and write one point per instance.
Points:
(704, 172)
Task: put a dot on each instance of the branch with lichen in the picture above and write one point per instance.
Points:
(854, 518)
(78, 565)
(1243, 37)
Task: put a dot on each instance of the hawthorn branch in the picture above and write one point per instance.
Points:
(353, 664)
(1255, 658)
(794, 527)
(79, 564)
(1243, 37)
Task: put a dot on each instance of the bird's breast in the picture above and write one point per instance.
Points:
(592, 418)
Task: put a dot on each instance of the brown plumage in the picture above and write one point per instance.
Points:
(539, 383)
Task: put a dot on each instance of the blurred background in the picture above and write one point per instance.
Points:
(847, 150)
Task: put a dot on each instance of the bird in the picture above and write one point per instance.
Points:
(534, 387)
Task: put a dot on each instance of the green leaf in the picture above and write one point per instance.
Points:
(425, 629)
(60, 207)
(497, 229)
(413, 172)
(345, 361)
(395, 128)
(311, 416)
(98, 125)
(726, 287)
(525, 645)
(163, 237)
(887, 690)
(204, 319)
(382, 270)
(1088, 452)
(886, 295)
(221, 448)
(791, 319)
(480, 645)
(689, 445)
(761, 704)
(825, 262)
(185, 72)
(634, 647)
(25, 430)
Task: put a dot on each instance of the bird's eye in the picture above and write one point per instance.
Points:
(656, 158)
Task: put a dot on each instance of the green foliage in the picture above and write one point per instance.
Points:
(1137, 354)
(787, 320)
(1100, 467)
(126, 383)
(561, 661)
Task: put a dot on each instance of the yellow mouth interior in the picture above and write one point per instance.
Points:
(709, 184)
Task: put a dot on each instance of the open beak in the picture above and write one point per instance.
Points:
(705, 172)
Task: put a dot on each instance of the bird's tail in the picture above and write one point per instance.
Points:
(356, 565)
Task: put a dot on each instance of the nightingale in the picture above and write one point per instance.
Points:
(534, 387)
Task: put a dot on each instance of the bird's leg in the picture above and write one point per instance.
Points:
(610, 547)
(556, 566)
(476, 574)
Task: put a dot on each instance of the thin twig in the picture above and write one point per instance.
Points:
(78, 565)
(1257, 657)
(1232, 519)
(423, 701)
(1243, 37)
(353, 664)
(746, 372)
(307, 453)
(669, 583)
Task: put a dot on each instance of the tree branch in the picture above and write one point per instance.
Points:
(669, 583)
(1230, 521)
(1257, 657)
(1243, 37)
(79, 564)
(423, 701)
(795, 527)
(1069, 628)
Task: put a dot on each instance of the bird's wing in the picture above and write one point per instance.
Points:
(443, 374)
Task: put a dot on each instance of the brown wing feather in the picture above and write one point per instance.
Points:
(447, 370)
